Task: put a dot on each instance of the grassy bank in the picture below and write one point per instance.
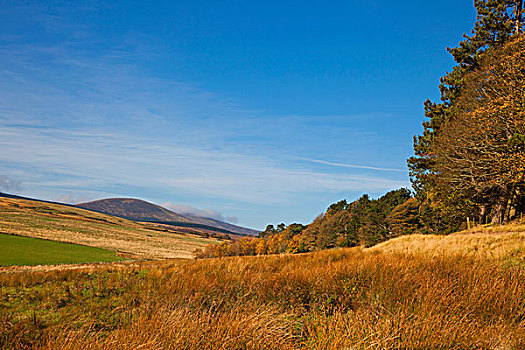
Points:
(486, 245)
(342, 299)
(15, 250)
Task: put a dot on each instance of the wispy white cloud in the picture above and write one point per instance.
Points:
(352, 166)
(88, 159)
(9, 184)
(114, 126)
(190, 210)
(72, 198)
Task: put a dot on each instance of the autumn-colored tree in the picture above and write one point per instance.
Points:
(270, 230)
(309, 235)
(405, 218)
(497, 21)
(480, 152)
(273, 245)
(296, 245)
(361, 222)
(261, 248)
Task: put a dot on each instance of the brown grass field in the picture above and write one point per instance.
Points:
(73, 225)
(503, 242)
(414, 292)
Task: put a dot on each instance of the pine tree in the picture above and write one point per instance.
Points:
(496, 22)
(480, 153)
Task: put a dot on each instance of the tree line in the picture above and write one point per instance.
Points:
(364, 222)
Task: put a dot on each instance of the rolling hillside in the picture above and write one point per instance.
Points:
(139, 210)
(62, 223)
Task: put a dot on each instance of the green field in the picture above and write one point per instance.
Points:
(16, 250)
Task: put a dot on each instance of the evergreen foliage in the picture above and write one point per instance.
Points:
(496, 23)
(480, 152)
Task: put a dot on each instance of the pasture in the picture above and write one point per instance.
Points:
(16, 250)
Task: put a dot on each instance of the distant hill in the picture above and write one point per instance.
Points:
(139, 210)
(21, 216)
(134, 209)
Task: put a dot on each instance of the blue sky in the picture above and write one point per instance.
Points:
(255, 112)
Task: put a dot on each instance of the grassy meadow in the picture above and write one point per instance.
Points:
(73, 225)
(16, 250)
(353, 298)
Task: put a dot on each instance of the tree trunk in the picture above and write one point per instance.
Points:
(508, 210)
(510, 203)
(500, 209)
(518, 10)
(497, 216)
(482, 213)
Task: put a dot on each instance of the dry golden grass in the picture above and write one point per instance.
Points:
(339, 299)
(463, 291)
(73, 225)
(491, 242)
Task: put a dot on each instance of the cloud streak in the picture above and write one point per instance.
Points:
(91, 159)
(351, 166)
(118, 134)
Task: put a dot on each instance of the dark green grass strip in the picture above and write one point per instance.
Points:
(16, 250)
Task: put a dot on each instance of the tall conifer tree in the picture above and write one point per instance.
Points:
(496, 22)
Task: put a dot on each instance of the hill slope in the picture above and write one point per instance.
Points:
(139, 210)
(73, 225)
